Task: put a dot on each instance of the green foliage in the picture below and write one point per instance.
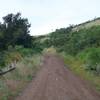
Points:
(14, 31)
(2, 59)
(24, 51)
(60, 37)
(14, 54)
(91, 58)
(15, 40)
(39, 43)
(83, 39)
(74, 42)
(78, 67)
(11, 57)
(12, 83)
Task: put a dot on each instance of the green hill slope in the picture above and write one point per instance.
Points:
(87, 24)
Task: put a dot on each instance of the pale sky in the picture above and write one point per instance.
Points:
(47, 15)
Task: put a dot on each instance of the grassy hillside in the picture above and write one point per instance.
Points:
(87, 24)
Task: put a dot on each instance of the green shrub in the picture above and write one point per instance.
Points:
(91, 57)
(24, 51)
(2, 59)
(14, 54)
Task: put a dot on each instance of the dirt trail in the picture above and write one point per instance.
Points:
(55, 82)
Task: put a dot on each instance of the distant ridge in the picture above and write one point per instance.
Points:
(87, 24)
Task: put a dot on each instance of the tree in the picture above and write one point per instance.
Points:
(15, 31)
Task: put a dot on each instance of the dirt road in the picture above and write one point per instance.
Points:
(55, 82)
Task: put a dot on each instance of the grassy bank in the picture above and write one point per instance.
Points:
(12, 83)
(79, 68)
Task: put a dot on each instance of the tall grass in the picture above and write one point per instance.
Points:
(79, 68)
(14, 54)
(13, 82)
(91, 59)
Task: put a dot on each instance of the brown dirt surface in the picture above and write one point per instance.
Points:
(56, 82)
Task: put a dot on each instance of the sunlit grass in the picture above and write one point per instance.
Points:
(78, 68)
(12, 83)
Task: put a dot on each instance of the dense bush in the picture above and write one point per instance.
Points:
(24, 51)
(91, 58)
(14, 31)
(14, 54)
(15, 40)
(2, 59)
(74, 42)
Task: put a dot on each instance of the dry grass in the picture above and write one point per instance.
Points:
(87, 25)
(79, 68)
(13, 82)
(50, 50)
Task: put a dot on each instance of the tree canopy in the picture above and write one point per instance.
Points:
(14, 31)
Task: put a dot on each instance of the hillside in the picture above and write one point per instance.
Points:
(88, 24)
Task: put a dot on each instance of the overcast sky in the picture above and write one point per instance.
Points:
(47, 15)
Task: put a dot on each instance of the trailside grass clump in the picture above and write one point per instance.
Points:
(12, 83)
(50, 50)
(78, 67)
(91, 59)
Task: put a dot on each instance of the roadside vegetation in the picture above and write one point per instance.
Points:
(17, 47)
(79, 68)
(12, 83)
